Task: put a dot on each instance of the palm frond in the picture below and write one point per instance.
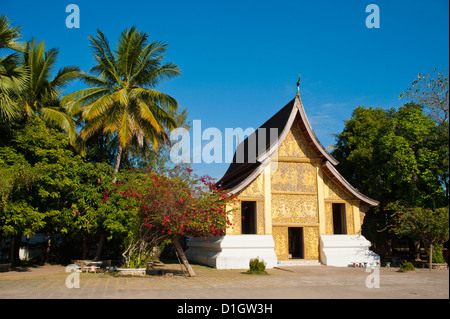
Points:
(9, 35)
(125, 131)
(65, 75)
(74, 102)
(91, 80)
(106, 62)
(91, 127)
(9, 108)
(148, 115)
(40, 63)
(60, 120)
(129, 48)
(98, 107)
(156, 99)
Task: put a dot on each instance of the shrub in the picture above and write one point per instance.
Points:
(257, 267)
(438, 256)
(406, 266)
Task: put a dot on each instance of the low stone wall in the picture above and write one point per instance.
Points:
(436, 266)
(132, 271)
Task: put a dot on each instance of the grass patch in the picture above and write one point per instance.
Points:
(406, 266)
(255, 272)
(257, 267)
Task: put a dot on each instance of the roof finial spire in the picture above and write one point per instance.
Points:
(298, 83)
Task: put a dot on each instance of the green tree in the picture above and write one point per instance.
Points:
(428, 225)
(46, 187)
(38, 176)
(17, 215)
(430, 91)
(12, 75)
(356, 149)
(96, 211)
(393, 156)
(121, 101)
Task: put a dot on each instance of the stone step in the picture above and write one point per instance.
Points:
(299, 262)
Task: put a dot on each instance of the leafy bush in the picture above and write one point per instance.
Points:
(438, 256)
(406, 266)
(257, 267)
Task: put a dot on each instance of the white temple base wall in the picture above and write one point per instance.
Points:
(232, 251)
(344, 250)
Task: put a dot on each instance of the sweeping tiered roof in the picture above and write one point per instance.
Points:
(242, 172)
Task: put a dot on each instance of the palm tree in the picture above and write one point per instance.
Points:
(121, 101)
(12, 75)
(41, 94)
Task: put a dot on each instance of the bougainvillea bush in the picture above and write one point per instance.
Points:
(172, 205)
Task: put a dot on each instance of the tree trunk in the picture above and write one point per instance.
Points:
(101, 241)
(11, 250)
(389, 247)
(117, 163)
(183, 257)
(85, 249)
(47, 250)
(14, 247)
(431, 256)
(416, 250)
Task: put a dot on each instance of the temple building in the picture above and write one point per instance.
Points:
(295, 207)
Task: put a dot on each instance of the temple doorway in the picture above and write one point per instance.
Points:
(248, 211)
(295, 239)
(339, 224)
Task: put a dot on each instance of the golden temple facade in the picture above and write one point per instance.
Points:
(292, 190)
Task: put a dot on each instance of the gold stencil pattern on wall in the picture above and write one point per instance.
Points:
(294, 209)
(280, 237)
(295, 144)
(254, 189)
(295, 177)
(235, 219)
(260, 218)
(333, 191)
(311, 242)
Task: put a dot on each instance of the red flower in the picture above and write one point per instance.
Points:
(105, 196)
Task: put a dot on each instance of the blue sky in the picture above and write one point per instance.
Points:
(240, 59)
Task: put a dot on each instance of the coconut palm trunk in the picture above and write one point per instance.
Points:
(117, 162)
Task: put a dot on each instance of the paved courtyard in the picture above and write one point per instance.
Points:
(288, 282)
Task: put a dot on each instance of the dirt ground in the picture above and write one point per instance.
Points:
(288, 282)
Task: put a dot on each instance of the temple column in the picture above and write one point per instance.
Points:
(356, 219)
(267, 201)
(320, 200)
